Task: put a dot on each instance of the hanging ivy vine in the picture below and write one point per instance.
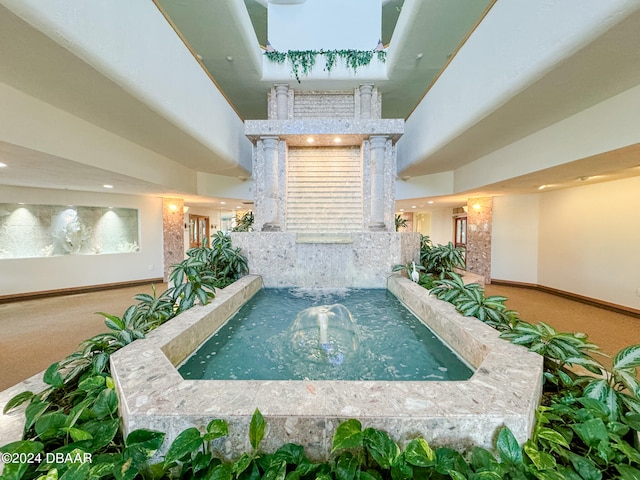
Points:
(303, 61)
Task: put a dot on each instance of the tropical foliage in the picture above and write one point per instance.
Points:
(400, 222)
(440, 260)
(78, 411)
(244, 222)
(586, 428)
(436, 262)
(303, 61)
(588, 424)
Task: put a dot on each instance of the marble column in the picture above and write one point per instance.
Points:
(378, 147)
(365, 101)
(282, 101)
(270, 146)
(172, 233)
(479, 221)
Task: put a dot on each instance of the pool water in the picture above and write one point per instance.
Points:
(393, 344)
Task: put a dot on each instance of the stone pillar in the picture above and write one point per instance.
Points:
(479, 219)
(271, 223)
(378, 147)
(282, 101)
(172, 233)
(365, 100)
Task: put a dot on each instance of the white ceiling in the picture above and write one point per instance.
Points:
(31, 62)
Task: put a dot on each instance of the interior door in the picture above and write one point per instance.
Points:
(198, 230)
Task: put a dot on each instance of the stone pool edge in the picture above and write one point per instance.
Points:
(458, 414)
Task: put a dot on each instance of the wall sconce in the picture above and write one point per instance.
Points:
(173, 208)
(476, 206)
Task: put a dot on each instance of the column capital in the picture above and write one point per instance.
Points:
(270, 140)
(378, 141)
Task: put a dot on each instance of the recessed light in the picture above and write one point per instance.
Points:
(229, 58)
(419, 56)
(223, 203)
(337, 140)
(413, 206)
(402, 209)
(542, 187)
(2, 165)
(310, 140)
(107, 186)
(430, 202)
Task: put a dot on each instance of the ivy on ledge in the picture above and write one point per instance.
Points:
(302, 61)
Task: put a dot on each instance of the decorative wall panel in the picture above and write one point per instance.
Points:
(28, 231)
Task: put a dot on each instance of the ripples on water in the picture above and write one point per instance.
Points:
(394, 344)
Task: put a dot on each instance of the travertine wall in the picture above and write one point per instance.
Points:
(172, 233)
(363, 260)
(324, 190)
(362, 102)
(324, 215)
(479, 218)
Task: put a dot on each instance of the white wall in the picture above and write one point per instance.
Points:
(514, 238)
(68, 271)
(589, 241)
(107, 36)
(325, 24)
(526, 40)
(441, 226)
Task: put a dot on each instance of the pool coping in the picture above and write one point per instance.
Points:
(458, 414)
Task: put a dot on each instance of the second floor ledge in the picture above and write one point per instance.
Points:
(351, 131)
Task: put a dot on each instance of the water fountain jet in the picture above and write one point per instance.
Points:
(324, 334)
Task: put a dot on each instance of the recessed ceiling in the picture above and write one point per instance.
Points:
(429, 39)
(38, 66)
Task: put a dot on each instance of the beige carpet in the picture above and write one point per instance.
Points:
(36, 333)
(609, 330)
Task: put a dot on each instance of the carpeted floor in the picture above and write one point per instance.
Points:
(36, 333)
(609, 330)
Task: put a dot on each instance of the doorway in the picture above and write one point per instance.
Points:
(461, 232)
(198, 230)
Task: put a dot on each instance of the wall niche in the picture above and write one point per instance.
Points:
(28, 231)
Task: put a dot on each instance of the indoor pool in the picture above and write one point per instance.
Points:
(347, 334)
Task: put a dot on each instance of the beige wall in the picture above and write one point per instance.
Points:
(68, 271)
(589, 241)
(441, 226)
(582, 240)
(514, 245)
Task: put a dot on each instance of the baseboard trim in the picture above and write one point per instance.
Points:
(18, 297)
(613, 307)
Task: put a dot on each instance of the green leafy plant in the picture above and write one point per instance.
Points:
(77, 412)
(191, 279)
(303, 61)
(225, 263)
(400, 222)
(440, 259)
(244, 223)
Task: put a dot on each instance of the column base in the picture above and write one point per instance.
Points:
(377, 227)
(270, 227)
